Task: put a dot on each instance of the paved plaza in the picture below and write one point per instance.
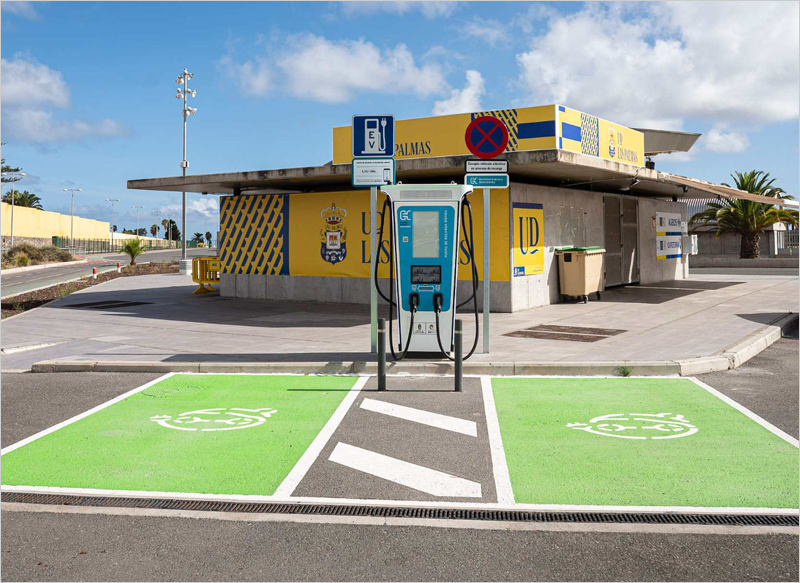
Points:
(156, 318)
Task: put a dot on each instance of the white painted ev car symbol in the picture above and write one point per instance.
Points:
(638, 426)
(217, 419)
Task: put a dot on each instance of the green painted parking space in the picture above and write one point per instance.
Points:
(210, 434)
(638, 442)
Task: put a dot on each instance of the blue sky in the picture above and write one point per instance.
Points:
(88, 87)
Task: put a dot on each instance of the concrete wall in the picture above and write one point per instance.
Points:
(344, 290)
(29, 222)
(571, 217)
(652, 270)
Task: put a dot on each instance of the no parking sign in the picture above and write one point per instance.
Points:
(486, 137)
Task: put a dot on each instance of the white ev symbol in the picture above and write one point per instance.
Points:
(217, 419)
(638, 426)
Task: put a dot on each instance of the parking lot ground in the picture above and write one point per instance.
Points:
(640, 442)
(418, 441)
(210, 434)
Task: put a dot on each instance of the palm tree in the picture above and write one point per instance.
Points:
(197, 238)
(747, 218)
(154, 230)
(208, 237)
(24, 198)
(133, 247)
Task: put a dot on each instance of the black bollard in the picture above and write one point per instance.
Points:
(381, 354)
(459, 354)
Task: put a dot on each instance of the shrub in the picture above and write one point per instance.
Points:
(36, 255)
(133, 248)
(21, 260)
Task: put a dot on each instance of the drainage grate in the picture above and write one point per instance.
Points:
(577, 330)
(568, 333)
(401, 512)
(555, 336)
(107, 305)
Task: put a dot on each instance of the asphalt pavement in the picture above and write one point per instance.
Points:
(62, 546)
(20, 282)
(766, 384)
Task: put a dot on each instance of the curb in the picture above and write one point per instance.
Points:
(43, 266)
(730, 358)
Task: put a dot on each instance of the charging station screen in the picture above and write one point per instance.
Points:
(425, 233)
(426, 274)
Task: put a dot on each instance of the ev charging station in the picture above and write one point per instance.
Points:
(426, 221)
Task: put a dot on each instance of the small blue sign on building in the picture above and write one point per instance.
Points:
(373, 135)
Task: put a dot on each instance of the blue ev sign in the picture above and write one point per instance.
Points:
(373, 135)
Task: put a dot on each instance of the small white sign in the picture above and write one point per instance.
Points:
(487, 166)
(373, 172)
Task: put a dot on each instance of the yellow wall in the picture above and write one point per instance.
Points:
(30, 222)
(285, 235)
(529, 128)
(38, 224)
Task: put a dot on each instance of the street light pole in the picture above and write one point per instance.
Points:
(183, 79)
(72, 215)
(112, 201)
(137, 207)
(15, 176)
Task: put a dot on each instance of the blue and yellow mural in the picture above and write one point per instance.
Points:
(328, 235)
(254, 234)
(546, 127)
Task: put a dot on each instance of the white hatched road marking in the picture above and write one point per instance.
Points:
(404, 473)
(420, 416)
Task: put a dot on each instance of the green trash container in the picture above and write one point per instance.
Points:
(580, 271)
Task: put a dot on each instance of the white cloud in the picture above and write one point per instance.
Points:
(26, 82)
(720, 141)
(429, 10)
(31, 92)
(658, 65)
(38, 126)
(24, 9)
(205, 207)
(253, 77)
(492, 32)
(535, 13)
(332, 71)
(463, 100)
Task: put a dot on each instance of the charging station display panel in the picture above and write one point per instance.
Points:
(427, 249)
(425, 231)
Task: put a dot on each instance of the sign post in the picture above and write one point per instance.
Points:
(373, 166)
(486, 137)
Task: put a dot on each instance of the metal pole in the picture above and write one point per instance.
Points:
(184, 164)
(486, 274)
(381, 354)
(12, 213)
(459, 354)
(72, 220)
(373, 258)
(112, 226)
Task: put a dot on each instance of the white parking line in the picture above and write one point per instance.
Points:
(300, 469)
(72, 420)
(420, 416)
(502, 481)
(741, 408)
(407, 474)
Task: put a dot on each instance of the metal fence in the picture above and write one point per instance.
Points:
(788, 240)
(91, 246)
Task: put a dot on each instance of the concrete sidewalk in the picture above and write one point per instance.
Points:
(707, 323)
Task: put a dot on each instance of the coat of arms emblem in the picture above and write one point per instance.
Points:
(333, 236)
